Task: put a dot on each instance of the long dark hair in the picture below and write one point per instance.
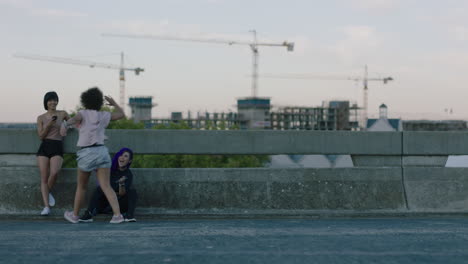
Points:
(115, 159)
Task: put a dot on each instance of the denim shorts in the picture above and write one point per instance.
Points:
(92, 158)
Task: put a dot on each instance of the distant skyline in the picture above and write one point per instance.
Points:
(421, 44)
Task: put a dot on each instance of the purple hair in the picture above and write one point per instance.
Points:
(115, 159)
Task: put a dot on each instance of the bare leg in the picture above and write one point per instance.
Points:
(55, 166)
(81, 185)
(103, 175)
(43, 164)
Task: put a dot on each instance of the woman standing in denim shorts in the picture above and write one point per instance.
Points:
(93, 155)
(50, 153)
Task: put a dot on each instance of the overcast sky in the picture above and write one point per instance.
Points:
(422, 44)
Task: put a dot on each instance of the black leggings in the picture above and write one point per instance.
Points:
(99, 204)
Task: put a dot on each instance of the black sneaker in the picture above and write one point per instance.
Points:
(87, 217)
(129, 218)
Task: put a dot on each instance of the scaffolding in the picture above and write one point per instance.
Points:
(336, 115)
(217, 121)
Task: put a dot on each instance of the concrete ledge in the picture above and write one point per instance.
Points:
(259, 189)
(435, 143)
(151, 141)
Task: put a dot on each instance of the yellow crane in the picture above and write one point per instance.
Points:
(365, 80)
(252, 44)
(91, 64)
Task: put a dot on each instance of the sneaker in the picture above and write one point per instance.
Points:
(45, 211)
(51, 200)
(71, 217)
(130, 219)
(117, 219)
(87, 217)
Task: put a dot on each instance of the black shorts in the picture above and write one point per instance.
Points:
(50, 148)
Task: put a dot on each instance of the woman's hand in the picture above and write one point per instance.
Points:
(51, 123)
(118, 112)
(63, 128)
(122, 179)
(110, 101)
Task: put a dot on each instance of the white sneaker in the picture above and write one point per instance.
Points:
(117, 219)
(71, 217)
(45, 211)
(51, 200)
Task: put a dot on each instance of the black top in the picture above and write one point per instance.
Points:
(116, 175)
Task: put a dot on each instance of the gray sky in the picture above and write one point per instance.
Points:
(421, 44)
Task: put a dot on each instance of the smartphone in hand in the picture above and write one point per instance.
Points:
(54, 118)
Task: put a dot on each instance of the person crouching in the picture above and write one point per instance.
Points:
(121, 181)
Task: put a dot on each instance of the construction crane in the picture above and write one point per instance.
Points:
(365, 80)
(91, 64)
(253, 46)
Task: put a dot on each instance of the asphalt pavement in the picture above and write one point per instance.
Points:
(367, 240)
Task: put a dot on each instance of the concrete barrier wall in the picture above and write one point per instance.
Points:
(437, 189)
(22, 141)
(435, 143)
(396, 171)
(422, 190)
(316, 189)
(25, 141)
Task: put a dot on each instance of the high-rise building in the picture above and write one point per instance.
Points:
(254, 112)
(141, 108)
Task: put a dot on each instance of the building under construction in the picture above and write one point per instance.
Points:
(257, 113)
(141, 107)
(220, 121)
(337, 115)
